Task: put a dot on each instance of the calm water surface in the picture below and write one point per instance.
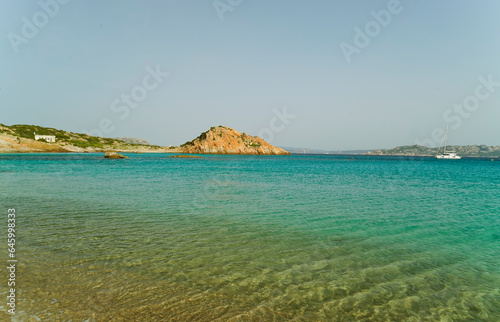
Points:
(248, 238)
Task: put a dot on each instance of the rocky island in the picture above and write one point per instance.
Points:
(225, 140)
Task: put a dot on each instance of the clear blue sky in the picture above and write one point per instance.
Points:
(264, 55)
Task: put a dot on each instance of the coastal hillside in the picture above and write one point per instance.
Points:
(462, 150)
(225, 140)
(21, 138)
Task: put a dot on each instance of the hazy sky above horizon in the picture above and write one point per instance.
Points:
(87, 65)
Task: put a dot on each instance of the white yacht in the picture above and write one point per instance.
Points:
(450, 155)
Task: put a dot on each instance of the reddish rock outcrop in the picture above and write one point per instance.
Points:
(225, 140)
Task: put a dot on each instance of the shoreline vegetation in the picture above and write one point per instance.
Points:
(20, 138)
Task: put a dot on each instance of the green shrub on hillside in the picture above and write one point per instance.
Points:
(27, 131)
(188, 143)
(111, 141)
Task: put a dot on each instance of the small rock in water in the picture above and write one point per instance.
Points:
(114, 155)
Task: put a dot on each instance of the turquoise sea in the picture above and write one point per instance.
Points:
(252, 238)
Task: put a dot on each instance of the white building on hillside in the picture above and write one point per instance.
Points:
(48, 138)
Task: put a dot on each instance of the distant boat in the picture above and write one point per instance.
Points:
(450, 155)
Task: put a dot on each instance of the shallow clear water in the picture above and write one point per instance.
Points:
(251, 238)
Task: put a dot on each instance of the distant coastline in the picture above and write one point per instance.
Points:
(217, 140)
(462, 150)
